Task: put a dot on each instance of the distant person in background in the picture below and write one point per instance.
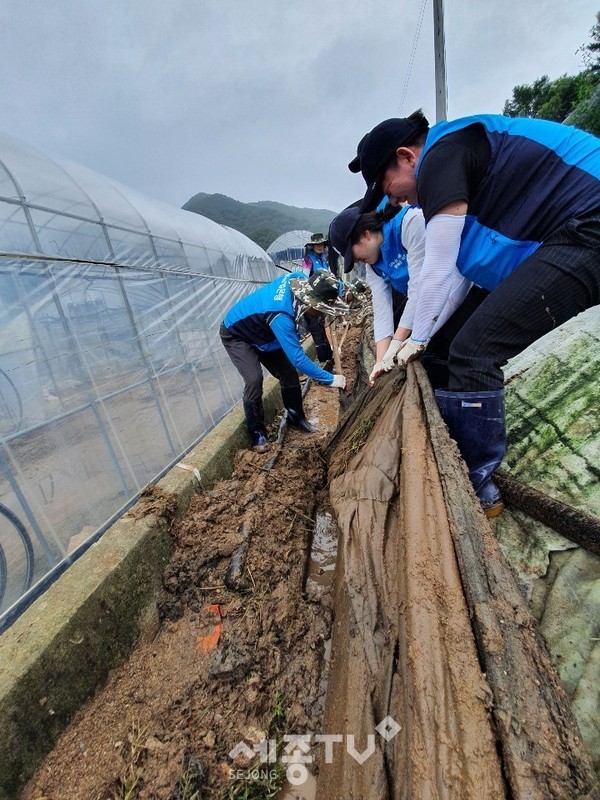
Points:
(514, 204)
(392, 244)
(314, 254)
(315, 258)
(261, 330)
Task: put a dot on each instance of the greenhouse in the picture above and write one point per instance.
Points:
(288, 249)
(111, 366)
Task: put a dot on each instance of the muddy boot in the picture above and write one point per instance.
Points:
(476, 423)
(292, 400)
(255, 423)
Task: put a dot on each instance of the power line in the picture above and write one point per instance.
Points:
(413, 51)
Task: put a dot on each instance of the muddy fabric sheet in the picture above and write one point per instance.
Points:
(406, 666)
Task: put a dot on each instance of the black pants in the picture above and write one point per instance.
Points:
(554, 284)
(316, 328)
(249, 362)
(398, 303)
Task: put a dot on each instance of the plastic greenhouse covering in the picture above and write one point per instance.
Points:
(288, 249)
(111, 366)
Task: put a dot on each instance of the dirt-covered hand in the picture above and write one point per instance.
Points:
(375, 372)
(410, 351)
(338, 382)
(387, 362)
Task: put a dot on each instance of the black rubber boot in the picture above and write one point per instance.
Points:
(476, 423)
(255, 422)
(324, 351)
(292, 400)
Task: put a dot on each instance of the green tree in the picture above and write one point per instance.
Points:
(554, 100)
(591, 51)
(571, 98)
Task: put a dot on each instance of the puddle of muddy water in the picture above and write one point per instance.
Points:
(308, 790)
(323, 555)
(319, 578)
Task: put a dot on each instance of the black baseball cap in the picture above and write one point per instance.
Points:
(354, 165)
(340, 234)
(378, 148)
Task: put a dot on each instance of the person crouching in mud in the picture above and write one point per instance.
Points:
(262, 330)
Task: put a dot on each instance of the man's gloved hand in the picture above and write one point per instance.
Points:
(410, 350)
(338, 382)
(375, 372)
(387, 362)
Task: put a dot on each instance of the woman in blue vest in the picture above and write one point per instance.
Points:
(391, 242)
(260, 330)
(315, 258)
(314, 254)
(514, 204)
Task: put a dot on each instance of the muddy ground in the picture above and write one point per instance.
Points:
(226, 665)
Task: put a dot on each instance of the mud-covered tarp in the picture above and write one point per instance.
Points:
(406, 668)
(553, 426)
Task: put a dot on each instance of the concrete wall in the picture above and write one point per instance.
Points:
(61, 649)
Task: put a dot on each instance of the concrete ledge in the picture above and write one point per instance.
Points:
(61, 649)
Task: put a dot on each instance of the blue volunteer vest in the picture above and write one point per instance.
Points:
(541, 174)
(318, 261)
(392, 265)
(249, 318)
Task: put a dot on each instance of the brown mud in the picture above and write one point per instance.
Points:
(226, 664)
(438, 684)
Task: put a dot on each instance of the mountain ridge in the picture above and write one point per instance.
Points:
(262, 221)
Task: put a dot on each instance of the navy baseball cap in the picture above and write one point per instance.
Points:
(340, 234)
(378, 148)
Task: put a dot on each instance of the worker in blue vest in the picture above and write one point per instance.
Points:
(514, 204)
(391, 242)
(314, 254)
(261, 330)
(315, 257)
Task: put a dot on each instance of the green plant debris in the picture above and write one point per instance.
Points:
(264, 781)
(128, 782)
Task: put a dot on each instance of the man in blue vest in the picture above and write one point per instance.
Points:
(514, 204)
(261, 330)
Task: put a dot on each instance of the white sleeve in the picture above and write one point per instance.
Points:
(383, 312)
(413, 239)
(442, 243)
(458, 291)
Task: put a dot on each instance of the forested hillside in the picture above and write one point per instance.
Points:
(263, 221)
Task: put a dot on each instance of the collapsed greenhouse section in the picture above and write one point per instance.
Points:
(110, 305)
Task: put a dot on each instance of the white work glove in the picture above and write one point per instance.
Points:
(410, 350)
(338, 382)
(375, 372)
(387, 362)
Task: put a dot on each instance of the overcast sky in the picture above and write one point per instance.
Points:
(258, 99)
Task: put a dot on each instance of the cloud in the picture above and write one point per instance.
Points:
(258, 100)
